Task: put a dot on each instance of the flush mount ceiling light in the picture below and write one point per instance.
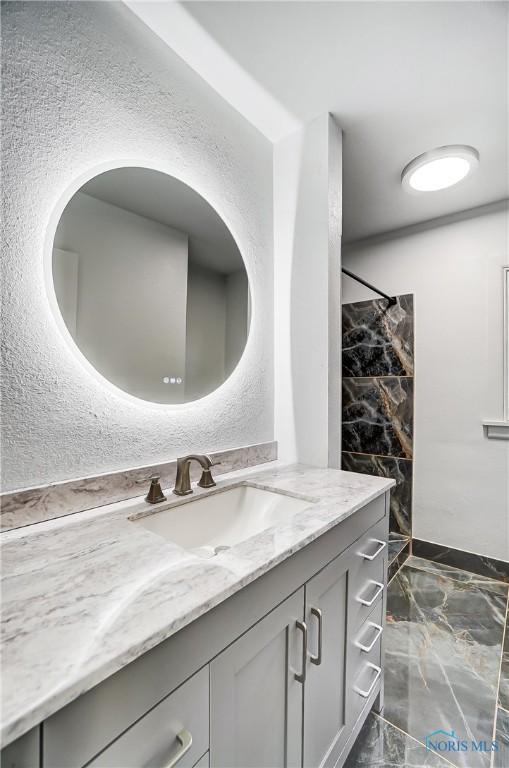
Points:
(440, 168)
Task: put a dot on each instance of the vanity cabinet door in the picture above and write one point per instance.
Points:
(22, 753)
(325, 717)
(255, 698)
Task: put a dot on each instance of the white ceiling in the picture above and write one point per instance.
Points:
(400, 78)
(169, 201)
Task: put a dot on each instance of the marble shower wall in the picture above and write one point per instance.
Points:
(378, 397)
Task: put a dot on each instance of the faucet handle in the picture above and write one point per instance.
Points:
(206, 480)
(155, 493)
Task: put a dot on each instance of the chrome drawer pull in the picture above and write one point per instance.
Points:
(368, 648)
(301, 676)
(382, 546)
(186, 741)
(367, 694)
(318, 658)
(375, 596)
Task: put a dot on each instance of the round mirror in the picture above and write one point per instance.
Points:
(151, 285)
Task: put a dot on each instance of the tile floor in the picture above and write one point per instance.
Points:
(446, 667)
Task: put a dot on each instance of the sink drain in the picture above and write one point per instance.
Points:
(207, 552)
(221, 548)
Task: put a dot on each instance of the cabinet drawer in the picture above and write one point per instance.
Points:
(203, 762)
(179, 725)
(366, 680)
(368, 638)
(370, 572)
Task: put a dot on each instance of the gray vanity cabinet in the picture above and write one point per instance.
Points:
(326, 615)
(280, 675)
(286, 692)
(255, 696)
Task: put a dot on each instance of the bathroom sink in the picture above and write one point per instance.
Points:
(209, 524)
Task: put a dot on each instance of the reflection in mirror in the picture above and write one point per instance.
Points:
(151, 285)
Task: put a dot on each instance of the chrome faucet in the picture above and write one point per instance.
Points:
(183, 480)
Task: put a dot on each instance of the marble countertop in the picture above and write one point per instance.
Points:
(84, 595)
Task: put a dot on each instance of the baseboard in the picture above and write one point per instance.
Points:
(457, 558)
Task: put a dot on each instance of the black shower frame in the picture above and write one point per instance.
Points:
(391, 299)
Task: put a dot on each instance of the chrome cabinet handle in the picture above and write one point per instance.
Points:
(382, 546)
(368, 648)
(301, 676)
(185, 740)
(367, 694)
(318, 658)
(375, 596)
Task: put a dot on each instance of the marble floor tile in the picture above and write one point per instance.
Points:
(380, 745)
(378, 340)
(378, 416)
(503, 691)
(443, 643)
(501, 757)
(401, 494)
(499, 587)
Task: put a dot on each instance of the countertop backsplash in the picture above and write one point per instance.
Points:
(34, 505)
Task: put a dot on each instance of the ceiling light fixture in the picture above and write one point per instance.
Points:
(439, 168)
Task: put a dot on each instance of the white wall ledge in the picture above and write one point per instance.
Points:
(496, 430)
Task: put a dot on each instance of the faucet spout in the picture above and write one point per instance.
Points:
(183, 479)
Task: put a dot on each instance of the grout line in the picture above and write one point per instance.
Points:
(497, 691)
(399, 569)
(418, 741)
(379, 455)
(390, 562)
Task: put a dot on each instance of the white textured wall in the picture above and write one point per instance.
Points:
(461, 479)
(86, 85)
(307, 236)
(237, 317)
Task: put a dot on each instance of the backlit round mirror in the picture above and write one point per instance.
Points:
(151, 285)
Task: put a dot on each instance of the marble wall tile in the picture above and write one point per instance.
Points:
(378, 416)
(501, 757)
(401, 495)
(378, 369)
(443, 641)
(377, 340)
(380, 745)
(468, 561)
(34, 505)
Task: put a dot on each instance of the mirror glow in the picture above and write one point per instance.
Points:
(151, 285)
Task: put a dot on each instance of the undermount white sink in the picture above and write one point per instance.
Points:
(209, 523)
